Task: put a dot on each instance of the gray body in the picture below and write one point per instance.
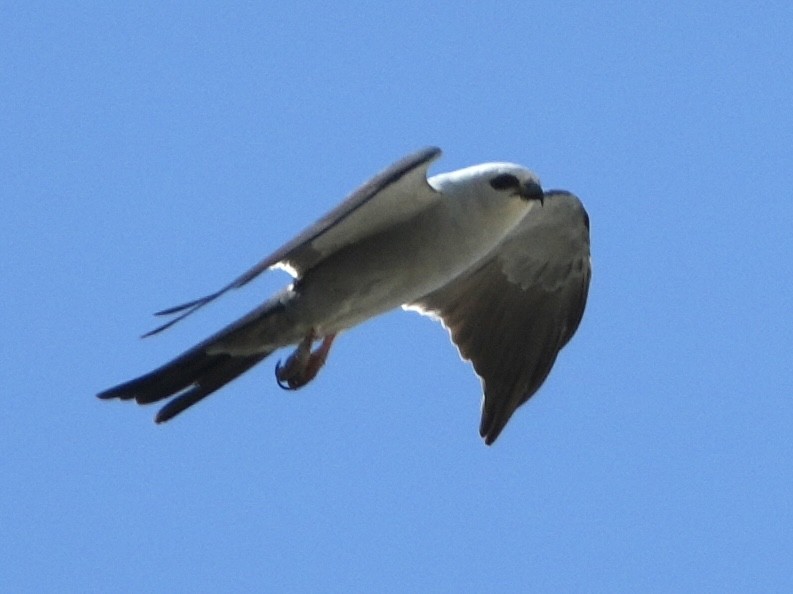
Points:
(503, 265)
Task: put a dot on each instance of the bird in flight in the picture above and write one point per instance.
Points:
(502, 264)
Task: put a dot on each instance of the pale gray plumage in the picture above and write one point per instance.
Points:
(507, 276)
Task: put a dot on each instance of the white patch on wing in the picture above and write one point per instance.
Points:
(286, 267)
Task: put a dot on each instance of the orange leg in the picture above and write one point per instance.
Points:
(303, 365)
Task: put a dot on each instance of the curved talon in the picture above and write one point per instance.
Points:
(278, 380)
(302, 365)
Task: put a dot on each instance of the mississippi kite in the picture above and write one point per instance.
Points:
(503, 265)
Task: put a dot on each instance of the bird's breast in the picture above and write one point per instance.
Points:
(402, 263)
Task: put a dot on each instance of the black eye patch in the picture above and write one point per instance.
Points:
(505, 181)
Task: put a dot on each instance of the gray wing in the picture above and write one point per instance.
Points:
(512, 314)
(392, 196)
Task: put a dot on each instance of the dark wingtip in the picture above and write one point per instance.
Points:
(489, 438)
(184, 306)
(489, 430)
(165, 326)
(196, 305)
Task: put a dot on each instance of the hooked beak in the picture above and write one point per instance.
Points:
(532, 191)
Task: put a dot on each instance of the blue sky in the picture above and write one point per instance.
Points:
(150, 154)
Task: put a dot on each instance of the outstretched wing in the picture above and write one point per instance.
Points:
(512, 314)
(392, 196)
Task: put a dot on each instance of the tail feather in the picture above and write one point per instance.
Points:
(200, 371)
(190, 378)
(213, 378)
(164, 381)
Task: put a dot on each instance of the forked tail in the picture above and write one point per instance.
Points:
(203, 369)
(190, 378)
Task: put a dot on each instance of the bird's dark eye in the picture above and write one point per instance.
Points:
(505, 181)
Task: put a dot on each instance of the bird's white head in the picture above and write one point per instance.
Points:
(506, 179)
